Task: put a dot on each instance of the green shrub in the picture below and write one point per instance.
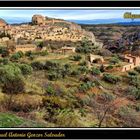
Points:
(49, 65)
(44, 53)
(26, 102)
(137, 107)
(70, 118)
(109, 67)
(111, 78)
(133, 91)
(50, 90)
(95, 71)
(83, 63)
(114, 60)
(14, 86)
(76, 58)
(86, 86)
(25, 69)
(107, 97)
(134, 80)
(52, 76)
(52, 103)
(83, 69)
(28, 53)
(15, 57)
(75, 72)
(137, 69)
(37, 65)
(132, 73)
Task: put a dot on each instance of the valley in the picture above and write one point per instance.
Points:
(55, 73)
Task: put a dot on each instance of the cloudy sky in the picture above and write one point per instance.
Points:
(25, 15)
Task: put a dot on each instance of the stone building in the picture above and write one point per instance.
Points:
(95, 57)
(68, 50)
(133, 61)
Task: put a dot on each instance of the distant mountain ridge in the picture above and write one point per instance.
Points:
(93, 21)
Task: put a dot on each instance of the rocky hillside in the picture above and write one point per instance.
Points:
(59, 23)
(117, 38)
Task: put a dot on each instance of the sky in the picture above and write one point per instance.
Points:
(19, 16)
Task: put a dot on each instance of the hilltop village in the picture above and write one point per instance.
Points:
(54, 71)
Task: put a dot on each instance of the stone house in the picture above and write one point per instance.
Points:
(68, 50)
(133, 61)
(95, 57)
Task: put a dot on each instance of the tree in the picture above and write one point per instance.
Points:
(11, 80)
(102, 111)
(86, 47)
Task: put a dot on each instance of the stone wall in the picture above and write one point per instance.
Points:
(25, 48)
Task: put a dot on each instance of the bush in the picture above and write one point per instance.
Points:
(86, 47)
(137, 107)
(52, 76)
(26, 102)
(95, 71)
(5, 61)
(21, 54)
(83, 69)
(44, 53)
(75, 72)
(109, 67)
(25, 69)
(9, 72)
(28, 53)
(70, 118)
(133, 91)
(83, 63)
(137, 69)
(13, 86)
(114, 60)
(134, 80)
(53, 103)
(86, 86)
(15, 57)
(50, 90)
(37, 65)
(11, 79)
(76, 58)
(107, 97)
(53, 89)
(49, 65)
(5, 52)
(111, 78)
(132, 73)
